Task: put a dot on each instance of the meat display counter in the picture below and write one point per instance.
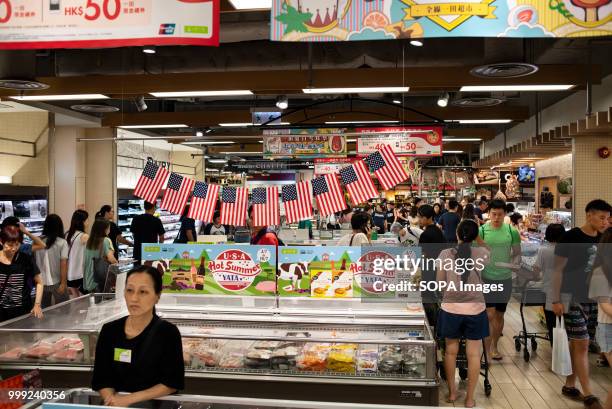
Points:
(262, 347)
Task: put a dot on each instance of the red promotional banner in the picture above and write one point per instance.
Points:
(32, 24)
(404, 141)
(325, 166)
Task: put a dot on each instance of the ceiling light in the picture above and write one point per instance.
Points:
(362, 90)
(141, 105)
(490, 88)
(212, 170)
(242, 153)
(443, 99)
(236, 124)
(282, 102)
(416, 43)
(480, 121)
(251, 4)
(310, 167)
(217, 160)
(279, 123)
(149, 49)
(223, 93)
(461, 139)
(59, 97)
(6, 180)
(351, 140)
(209, 143)
(452, 151)
(199, 134)
(397, 101)
(260, 141)
(359, 122)
(153, 126)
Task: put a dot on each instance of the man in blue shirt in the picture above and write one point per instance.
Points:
(449, 221)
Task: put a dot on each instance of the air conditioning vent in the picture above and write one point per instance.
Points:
(476, 102)
(94, 108)
(504, 70)
(22, 85)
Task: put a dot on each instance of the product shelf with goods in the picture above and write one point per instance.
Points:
(30, 211)
(348, 350)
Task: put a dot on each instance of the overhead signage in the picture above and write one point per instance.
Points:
(268, 165)
(325, 166)
(32, 24)
(268, 118)
(427, 141)
(304, 143)
(356, 20)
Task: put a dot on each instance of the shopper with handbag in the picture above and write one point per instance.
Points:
(52, 261)
(77, 240)
(99, 254)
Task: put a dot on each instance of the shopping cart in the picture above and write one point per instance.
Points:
(462, 364)
(530, 297)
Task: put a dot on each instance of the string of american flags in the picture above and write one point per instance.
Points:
(297, 199)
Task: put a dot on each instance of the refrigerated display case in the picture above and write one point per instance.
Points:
(344, 350)
(31, 211)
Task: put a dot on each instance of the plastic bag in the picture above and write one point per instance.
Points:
(561, 359)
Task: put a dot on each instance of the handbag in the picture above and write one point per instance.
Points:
(100, 267)
(561, 359)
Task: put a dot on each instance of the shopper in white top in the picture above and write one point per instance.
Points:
(77, 241)
(600, 289)
(361, 223)
(52, 261)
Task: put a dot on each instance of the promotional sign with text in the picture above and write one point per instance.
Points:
(326, 166)
(421, 141)
(31, 24)
(304, 143)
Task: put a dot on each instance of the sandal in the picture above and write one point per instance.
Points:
(572, 393)
(592, 402)
(496, 356)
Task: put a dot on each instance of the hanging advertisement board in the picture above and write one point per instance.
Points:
(427, 142)
(325, 166)
(304, 143)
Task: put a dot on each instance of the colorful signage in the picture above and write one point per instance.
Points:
(214, 269)
(304, 143)
(420, 141)
(355, 20)
(31, 24)
(325, 166)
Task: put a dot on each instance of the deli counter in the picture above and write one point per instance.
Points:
(336, 350)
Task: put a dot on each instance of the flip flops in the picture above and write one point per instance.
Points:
(572, 393)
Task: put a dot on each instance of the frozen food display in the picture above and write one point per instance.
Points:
(341, 358)
(284, 356)
(53, 349)
(313, 357)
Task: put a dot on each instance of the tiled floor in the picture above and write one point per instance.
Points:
(528, 385)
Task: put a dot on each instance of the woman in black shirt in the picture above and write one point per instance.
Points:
(107, 213)
(140, 354)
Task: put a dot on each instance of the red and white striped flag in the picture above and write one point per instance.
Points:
(234, 203)
(265, 206)
(328, 194)
(151, 181)
(297, 200)
(358, 182)
(203, 201)
(177, 193)
(386, 167)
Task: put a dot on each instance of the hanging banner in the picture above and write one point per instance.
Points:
(214, 269)
(304, 143)
(427, 143)
(356, 20)
(325, 166)
(32, 24)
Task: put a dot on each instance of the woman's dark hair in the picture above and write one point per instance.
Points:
(439, 208)
(414, 211)
(554, 232)
(604, 255)
(360, 220)
(509, 207)
(515, 218)
(52, 229)
(468, 212)
(151, 272)
(77, 223)
(426, 211)
(467, 231)
(98, 233)
(185, 212)
(103, 210)
(11, 234)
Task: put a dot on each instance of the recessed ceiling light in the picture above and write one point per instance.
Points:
(443, 99)
(152, 126)
(221, 93)
(416, 43)
(362, 90)
(236, 124)
(212, 170)
(217, 160)
(209, 143)
(452, 151)
(199, 134)
(461, 139)
(481, 121)
(282, 102)
(251, 4)
(149, 49)
(59, 97)
(397, 101)
(359, 122)
(279, 123)
(491, 88)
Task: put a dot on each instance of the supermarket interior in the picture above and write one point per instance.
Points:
(233, 203)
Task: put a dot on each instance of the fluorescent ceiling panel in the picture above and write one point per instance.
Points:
(153, 126)
(359, 122)
(179, 94)
(59, 97)
(492, 88)
(361, 90)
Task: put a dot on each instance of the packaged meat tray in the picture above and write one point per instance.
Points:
(12, 354)
(390, 359)
(367, 359)
(258, 358)
(206, 354)
(341, 358)
(284, 356)
(313, 357)
(72, 355)
(40, 350)
(233, 354)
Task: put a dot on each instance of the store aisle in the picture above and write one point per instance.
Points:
(521, 385)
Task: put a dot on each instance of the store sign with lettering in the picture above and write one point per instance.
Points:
(419, 141)
(358, 20)
(325, 166)
(304, 143)
(31, 24)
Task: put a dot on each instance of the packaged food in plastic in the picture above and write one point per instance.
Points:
(313, 357)
(284, 356)
(13, 354)
(390, 359)
(367, 359)
(341, 358)
(40, 350)
(258, 358)
(233, 354)
(67, 355)
(206, 354)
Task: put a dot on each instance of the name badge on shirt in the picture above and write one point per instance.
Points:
(123, 355)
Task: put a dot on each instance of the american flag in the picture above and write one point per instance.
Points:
(234, 202)
(297, 200)
(203, 201)
(177, 193)
(386, 167)
(328, 194)
(358, 182)
(151, 181)
(265, 206)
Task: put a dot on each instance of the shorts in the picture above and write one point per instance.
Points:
(604, 337)
(499, 299)
(457, 326)
(75, 283)
(577, 320)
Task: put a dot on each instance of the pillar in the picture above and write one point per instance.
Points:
(100, 170)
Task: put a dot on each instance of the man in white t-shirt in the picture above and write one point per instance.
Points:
(216, 228)
(408, 236)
